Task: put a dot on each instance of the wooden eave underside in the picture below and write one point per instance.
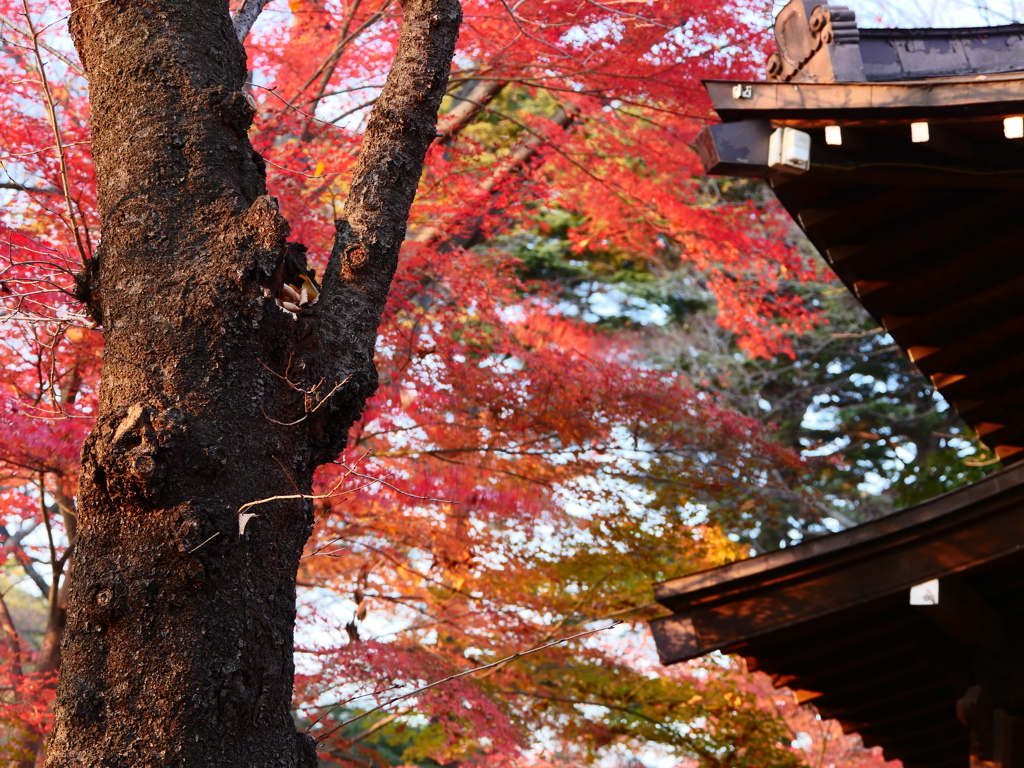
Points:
(929, 237)
(831, 619)
(937, 98)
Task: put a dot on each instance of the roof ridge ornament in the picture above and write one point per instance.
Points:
(844, 24)
(818, 43)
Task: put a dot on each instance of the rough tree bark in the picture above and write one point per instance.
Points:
(178, 645)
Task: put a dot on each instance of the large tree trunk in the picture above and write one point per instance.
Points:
(178, 646)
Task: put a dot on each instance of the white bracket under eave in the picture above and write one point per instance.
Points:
(925, 593)
(789, 149)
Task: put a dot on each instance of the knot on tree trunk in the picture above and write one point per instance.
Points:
(353, 258)
(259, 236)
(235, 109)
(87, 289)
(133, 448)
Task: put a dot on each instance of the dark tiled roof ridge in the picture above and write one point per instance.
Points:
(944, 32)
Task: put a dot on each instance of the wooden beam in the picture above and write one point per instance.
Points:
(864, 687)
(676, 639)
(898, 721)
(887, 557)
(804, 653)
(932, 732)
(965, 616)
(893, 699)
(855, 101)
(735, 149)
(987, 374)
(839, 204)
(1006, 408)
(921, 175)
(854, 217)
(975, 263)
(928, 750)
(822, 675)
(974, 315)
(1001, 332)
(942, 223)
(939, 231)
(1006, 440)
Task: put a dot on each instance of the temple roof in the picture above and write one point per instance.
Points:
(900, 153)
(925, 232)
(822, 43)
(833, 619)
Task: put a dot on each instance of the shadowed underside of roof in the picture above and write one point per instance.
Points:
(933, 247)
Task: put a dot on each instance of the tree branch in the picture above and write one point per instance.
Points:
(518, 158)
(12, 636)
(467, 107)
(384, 721)
(14, 542)
(370, 232)
(49, 49)
(450, 678)
(400, 129)
(633, 711)
(22, 188)
(51, 111)
(246, 16)
(326, 69)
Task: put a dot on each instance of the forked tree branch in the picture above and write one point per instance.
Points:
(400, 129)
(51, 111)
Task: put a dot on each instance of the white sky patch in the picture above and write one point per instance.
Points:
(928, 13)
(612, 302)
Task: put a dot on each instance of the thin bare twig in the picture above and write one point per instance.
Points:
(468, 672)
(13, 543)
(297, 496)
(348, 701)
(379, 724)
(77, 69)
(326, 69)
(23, 188)
(11, 633)
(384, 482)
(46, 518)
(51, 111)
(195, 549)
